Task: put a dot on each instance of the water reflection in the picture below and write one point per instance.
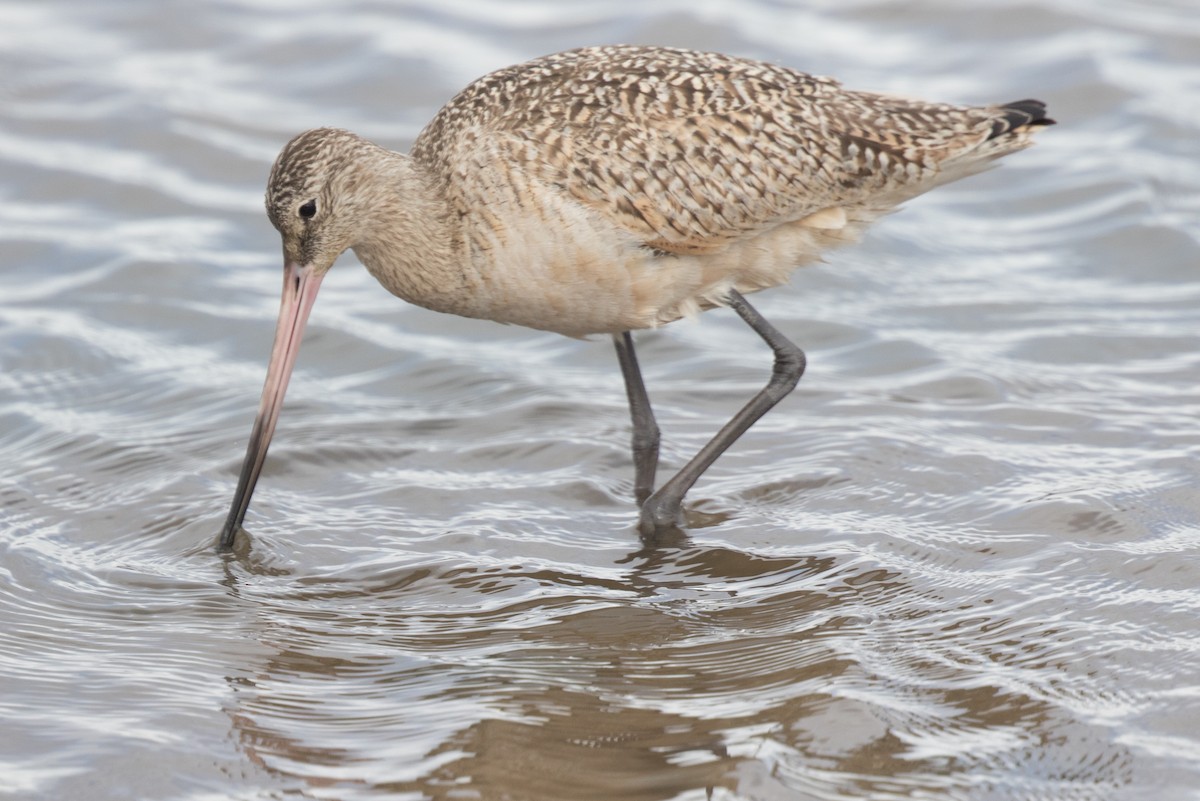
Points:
(687, 672)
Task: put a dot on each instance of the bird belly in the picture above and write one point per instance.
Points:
(576, 274)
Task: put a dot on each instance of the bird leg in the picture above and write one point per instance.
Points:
(645, 429)
(662, 509)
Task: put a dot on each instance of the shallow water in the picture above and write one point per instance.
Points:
(961, 561)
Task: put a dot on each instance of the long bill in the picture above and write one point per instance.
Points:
(300, 285)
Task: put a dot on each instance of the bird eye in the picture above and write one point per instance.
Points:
(309, 210)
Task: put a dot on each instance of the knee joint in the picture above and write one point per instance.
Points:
(790, 362)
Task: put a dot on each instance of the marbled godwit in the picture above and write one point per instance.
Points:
(610, 189)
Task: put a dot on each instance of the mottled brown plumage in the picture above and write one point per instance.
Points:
(694, 151)
(615, 188)
(610, 189)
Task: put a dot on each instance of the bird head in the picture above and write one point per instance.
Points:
(315, 200)
(315, 195)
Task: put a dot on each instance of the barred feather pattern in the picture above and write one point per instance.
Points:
(612, 188)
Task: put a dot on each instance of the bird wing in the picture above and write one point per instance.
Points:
(694, 184)
(689, 163)
(690, 152)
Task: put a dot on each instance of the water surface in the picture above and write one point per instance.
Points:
(960, 562)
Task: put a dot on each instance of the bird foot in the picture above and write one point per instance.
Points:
(659, 515)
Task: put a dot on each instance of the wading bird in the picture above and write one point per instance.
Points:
(611, 189)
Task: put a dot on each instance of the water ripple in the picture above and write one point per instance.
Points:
(959, 562)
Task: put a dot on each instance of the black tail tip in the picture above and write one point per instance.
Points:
(1017, 114)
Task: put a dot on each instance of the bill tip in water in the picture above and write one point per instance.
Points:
(229, 538)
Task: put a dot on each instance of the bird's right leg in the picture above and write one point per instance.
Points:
(645, 429)
(663, 510)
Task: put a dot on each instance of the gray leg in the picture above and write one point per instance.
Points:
(662, 509)
(645, 429)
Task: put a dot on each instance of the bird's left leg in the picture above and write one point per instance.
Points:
(662, 510)
(645, 429)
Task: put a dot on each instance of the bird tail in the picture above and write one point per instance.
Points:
(1019, 116)
(1013, 126)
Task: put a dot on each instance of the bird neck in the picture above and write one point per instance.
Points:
(409, 243)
